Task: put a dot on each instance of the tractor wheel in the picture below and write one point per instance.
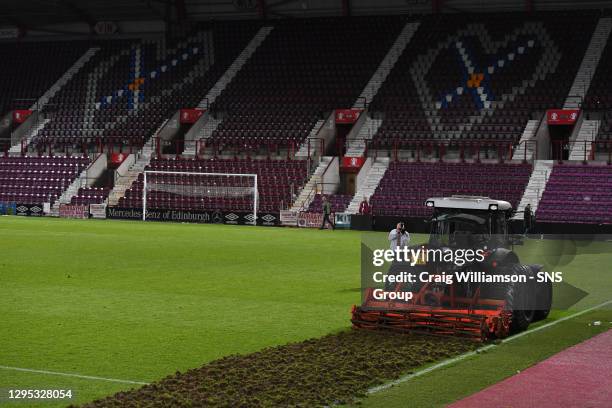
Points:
(519, 298)
(543, 300)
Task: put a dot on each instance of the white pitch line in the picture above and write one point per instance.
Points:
(86, 377)
(535, 329)
(453, 360)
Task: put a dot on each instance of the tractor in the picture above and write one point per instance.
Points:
(505, 299)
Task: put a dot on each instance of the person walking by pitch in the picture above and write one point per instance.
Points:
(527, 219)
(327, 209)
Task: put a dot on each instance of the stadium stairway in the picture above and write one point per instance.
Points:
(589, 64)
(212, 123)
(204, 133)
(356, 147)
(535, 187)
(84, 179)
(123, 182)
(305, 197)
(303, 150)
(582, 147)
(529, 135)
(63, 80)
(15, 150)
(369, 184)
(231, 72)
(386, 65)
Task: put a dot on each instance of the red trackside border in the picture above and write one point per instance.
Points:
(580, 376)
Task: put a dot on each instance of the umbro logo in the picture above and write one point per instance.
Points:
(268, 218)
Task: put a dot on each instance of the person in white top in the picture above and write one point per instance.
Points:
(399, 237)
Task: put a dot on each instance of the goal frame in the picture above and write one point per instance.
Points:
(188, 173)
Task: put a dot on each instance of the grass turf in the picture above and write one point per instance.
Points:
(138, 301)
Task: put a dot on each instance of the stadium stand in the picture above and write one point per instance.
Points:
(71, 111)
(131, 87)
(303, 70)
(21, 79)
(91, 115)
(23, 83)
(475, 78)
(479, 76)
(406, 185)
(35, 180)
(577, 193)
(599, 98)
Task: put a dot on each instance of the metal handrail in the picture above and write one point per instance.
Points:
(308, 199)
(202, 143)
(562, 146)
(505, 148)
(365, 101)
(314, 188)
(313, 192)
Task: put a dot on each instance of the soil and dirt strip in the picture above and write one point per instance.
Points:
(334, 369)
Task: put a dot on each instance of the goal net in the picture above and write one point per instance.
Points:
(194, 191)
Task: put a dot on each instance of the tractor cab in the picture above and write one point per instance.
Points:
(468, 222)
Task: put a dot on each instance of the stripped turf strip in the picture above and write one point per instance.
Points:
(335, 369)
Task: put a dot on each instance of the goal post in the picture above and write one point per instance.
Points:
(199, 191)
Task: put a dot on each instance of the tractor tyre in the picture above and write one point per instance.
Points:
(519, 298)
(543, 300)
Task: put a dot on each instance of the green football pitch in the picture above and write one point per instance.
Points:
(112, 304)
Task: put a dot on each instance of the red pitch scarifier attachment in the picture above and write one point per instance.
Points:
(475, 318)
